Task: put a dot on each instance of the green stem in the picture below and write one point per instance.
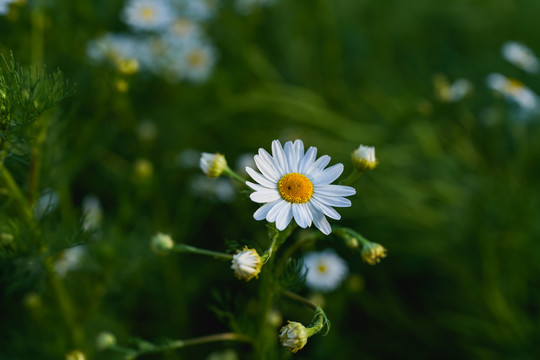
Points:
(347, 233)
(299, 299)
(319, 319)
(16, 193)
(351, 179)
(232, 174)
(278, 239)
(194, 250)
(149, 348)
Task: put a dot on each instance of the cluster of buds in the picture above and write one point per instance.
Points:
(372, 253)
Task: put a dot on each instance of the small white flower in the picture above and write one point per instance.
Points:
(325, 270)
(198, 10)
(92, 213)
(46, 203)
(296, 185)
(69, 260)
(520, 56)
(198, 61)
(363, 158)
(148, 14)
(246, 264)
(515, 91)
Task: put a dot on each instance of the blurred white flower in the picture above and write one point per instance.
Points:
(47, 202)
(520, 56)
(198, 10)
(116, 48)
(325, 270)
(188, 158)
(69, 260)
(92, 213)
(515, 91)
(213, 165)
(4, 6)
(221, 189)
(148, 14)
(243, 161)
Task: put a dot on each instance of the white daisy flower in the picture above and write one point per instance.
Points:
(296, 185)
(198, 62)
(520, 56)
(199, 10)
(514, 90)
(325, 270)
(148, 14)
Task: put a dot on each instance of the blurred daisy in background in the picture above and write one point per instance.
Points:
(325, 270)
(514, 91)
(220, 189)
(520, 56)
(92, 213)
(292, 184)
(69, 259)
(451, 92)
(148, 14)
(4, 6)
(199, 10)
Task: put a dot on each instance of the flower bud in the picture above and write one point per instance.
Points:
(372, 253)
(161, 243)
(293, 336)
(246, 264)
(363, 158)
(105, 340)
(75, 355)
(213, 165)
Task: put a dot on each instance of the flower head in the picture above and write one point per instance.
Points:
(292, 183)
(515, 91)
(4, 6)
(148, 14)
(363, 158)
(325, 270)
(105, 340)
(372, 253)
(246, 264)
(213, 164)
(293, 336)
(69, 259)
(161, 243)
(520, 55)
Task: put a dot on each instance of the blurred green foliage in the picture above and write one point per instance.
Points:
(455, 198)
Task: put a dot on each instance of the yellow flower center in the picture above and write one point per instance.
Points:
(147, 13)
(196, 58)
(295, 188)
(321, 268)
(513, 86)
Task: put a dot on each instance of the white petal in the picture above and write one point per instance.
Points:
(290, 154)
(266, 166)
(279, 158)
(328, 175)
(284, 217)
(256, 186)
(320, 221)
(337, 201)
(274, 211)
(327, 210)
(260, 178)
(261, 212)
(308, 160)
(335, 190)
(299, 154)
(263, 196)
(317, 166)
(301, 216)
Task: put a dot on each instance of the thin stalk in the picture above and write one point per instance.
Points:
(194, 250)
(232, 174)
(351, 179)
